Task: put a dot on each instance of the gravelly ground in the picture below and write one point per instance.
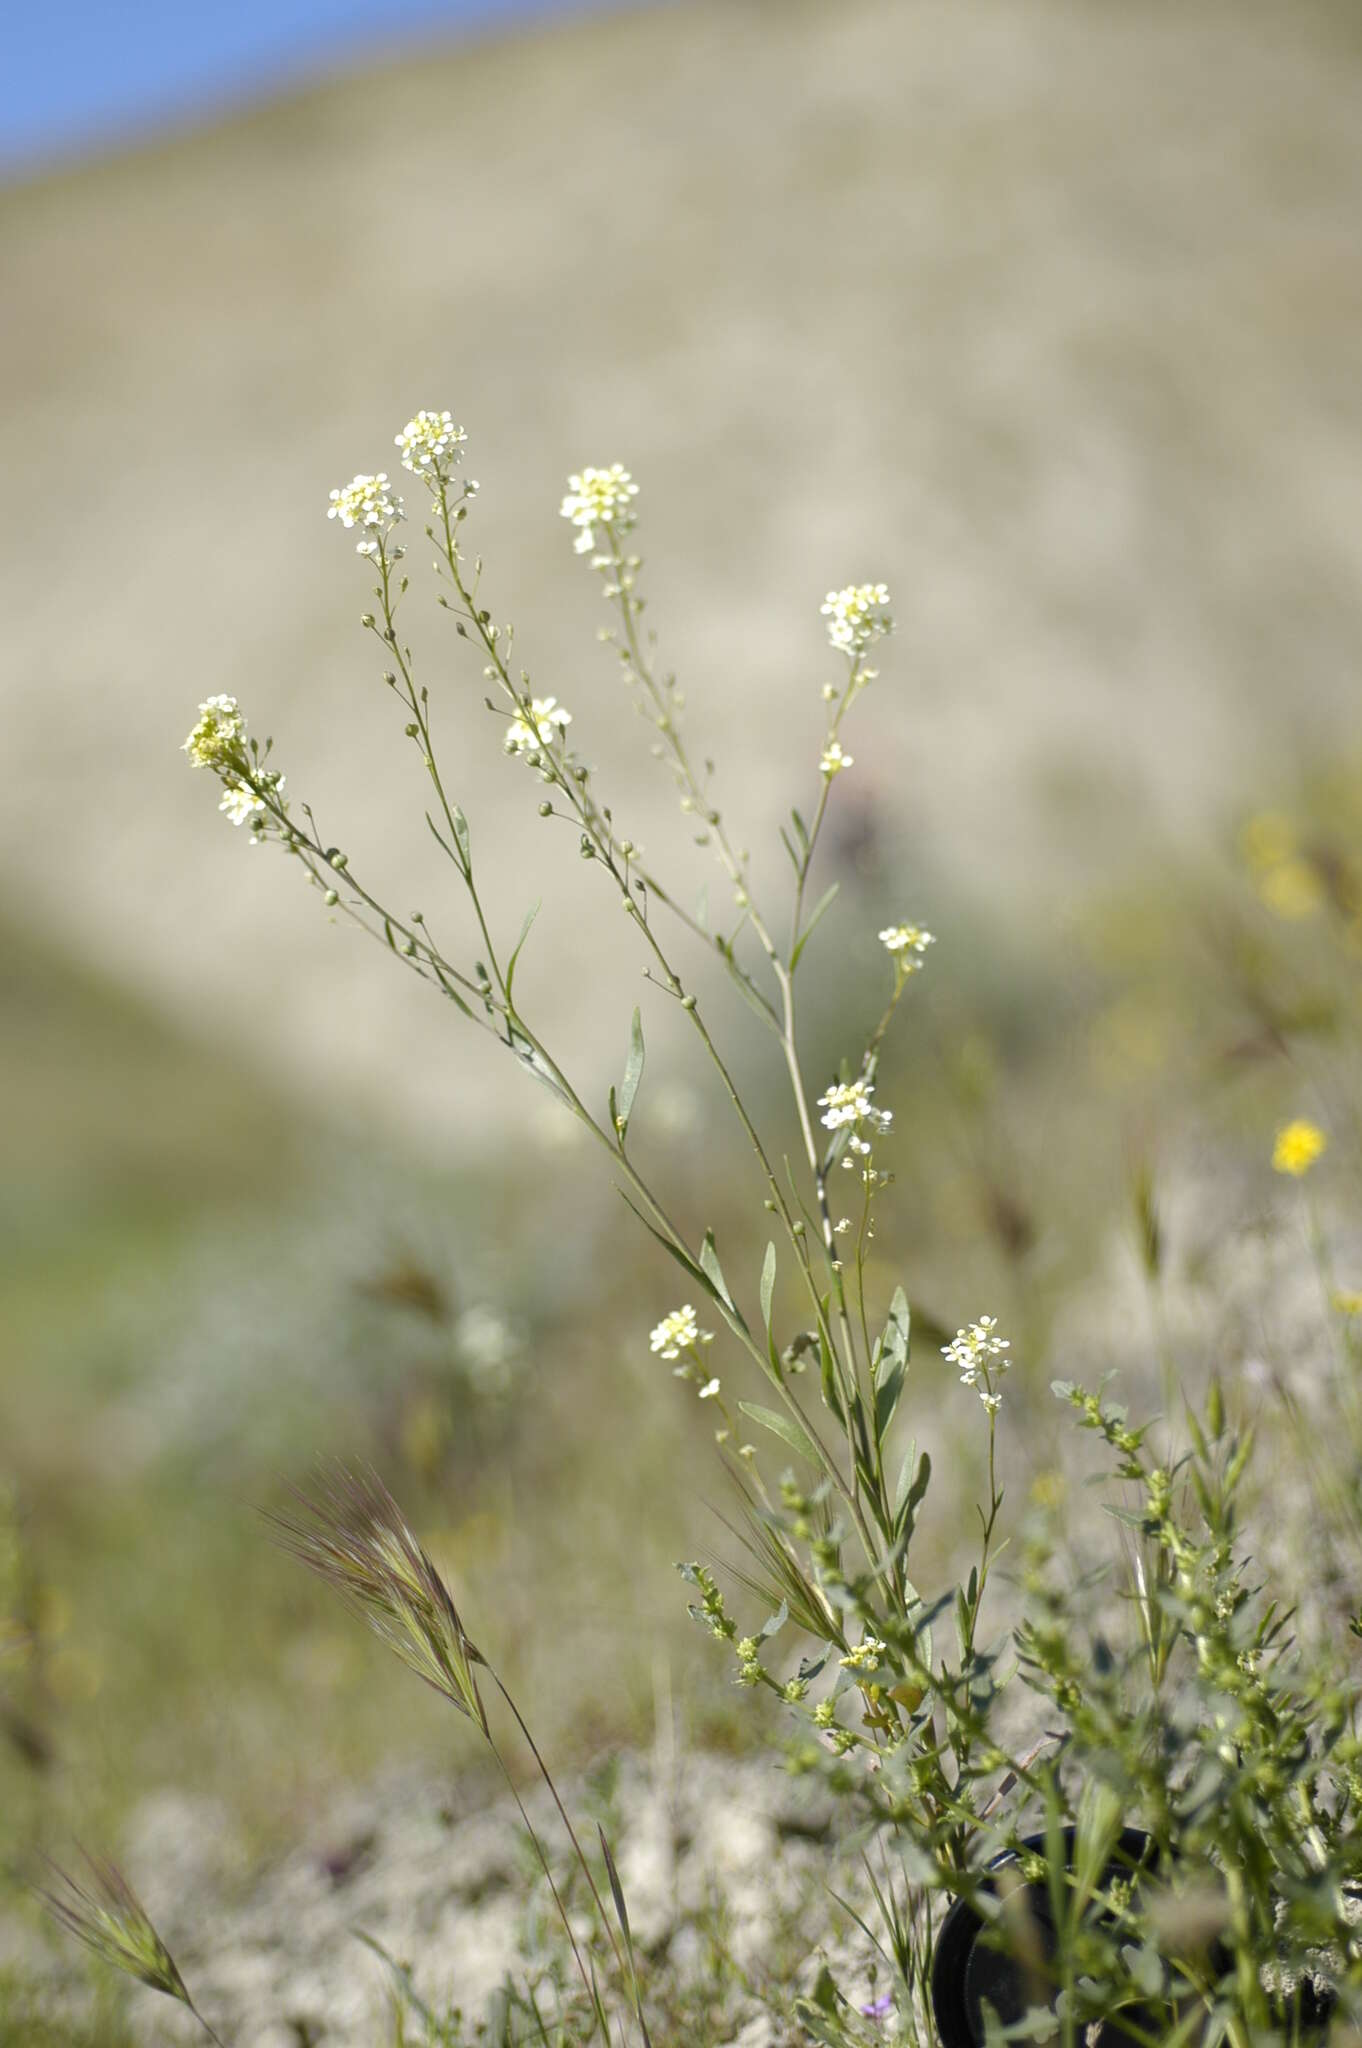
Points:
(274, 1961)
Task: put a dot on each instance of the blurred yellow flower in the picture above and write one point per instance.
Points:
(1348, 1301)
(1298, 1146)
(1293, 889)
(1267, 839)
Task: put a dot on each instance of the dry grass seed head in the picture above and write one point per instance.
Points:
(352, 1534)
(107, 1915)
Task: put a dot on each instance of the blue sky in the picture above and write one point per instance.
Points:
(78, 74)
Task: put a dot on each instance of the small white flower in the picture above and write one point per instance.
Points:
(832, 760)
(240, 804)
(678, 1332)
(980, 1354)
(367, 502)
(547, 721)
(247, 806)
(431, 444)
(858, 616)
(903, 940)
(848, 1104)
(709, 1390)
(599, 497)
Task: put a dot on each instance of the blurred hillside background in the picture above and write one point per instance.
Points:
(1042, 311)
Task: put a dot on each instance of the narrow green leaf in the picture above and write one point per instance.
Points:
(617, 1890)
(453, 994)
(824, 902)
(709, 1259)
(633, 1074)
(783, 1426)
(861, 1434)
(401, 1976)
(440, 840)
(905, 1477)
(774, 1622)
(768, 1282)
(832, 1400)
(887, 1400)
(530, 915)
(910, 1498)
(683, 1259)
(688, 1265)
(892, 1348)
(461, 838)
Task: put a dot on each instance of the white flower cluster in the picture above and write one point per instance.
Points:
(680, 1332)
(528, 737)
(832, 760)
(430, 444)
(218, 741)
(599, 497)
(907, 943)
(847, 1103)
(981, 1356)
(246, 805)
(367, 502)
(858, 616)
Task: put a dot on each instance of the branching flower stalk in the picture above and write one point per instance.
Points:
(856, 626)
(615, 854)
(859, 616)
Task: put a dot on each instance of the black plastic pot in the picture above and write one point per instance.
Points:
(968, 1972)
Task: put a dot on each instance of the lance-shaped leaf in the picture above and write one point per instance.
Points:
(530, 915)
(785, 1427)
(824, 902)
(621, 1107)
(461, 839)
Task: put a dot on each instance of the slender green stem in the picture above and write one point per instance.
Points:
(563, 1816)
(587, 1982)
(211, 2032)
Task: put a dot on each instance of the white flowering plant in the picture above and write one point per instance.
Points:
(1029, 1774)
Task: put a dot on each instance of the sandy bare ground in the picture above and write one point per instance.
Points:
(1045, 312)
